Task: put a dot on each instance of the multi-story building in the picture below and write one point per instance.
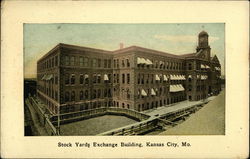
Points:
(72, 78)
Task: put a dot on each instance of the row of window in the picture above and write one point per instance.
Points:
(49, 63)
(155, 104)
(85, 95)
(125, 63)
(87, 62)
(162, 65)
(96, 78)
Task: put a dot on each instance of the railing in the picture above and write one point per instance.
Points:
(85, 114)
(134, 129)
(43, 118)
(153, 122)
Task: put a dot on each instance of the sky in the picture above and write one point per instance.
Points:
(172, 38)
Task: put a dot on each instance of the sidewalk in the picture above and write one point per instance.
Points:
(40, 129)
(209, 120)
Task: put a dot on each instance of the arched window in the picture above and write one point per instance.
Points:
(72, 79)
(67, 78)
(81, 95)
(73, 96)
(66, 96)
(81, 79)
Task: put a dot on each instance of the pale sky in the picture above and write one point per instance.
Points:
(172, 38)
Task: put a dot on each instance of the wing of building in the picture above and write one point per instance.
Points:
(73, 78)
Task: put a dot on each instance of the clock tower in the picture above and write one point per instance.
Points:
(203, 45)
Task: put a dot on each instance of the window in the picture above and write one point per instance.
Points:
(128, 94)
(81, 95)
(72, 60)
(66, 78)
(94, 62)
(109, 93)
(72, 79)
(123, 78)
(110, 78)
(81, 61)
(94, 94)
(105, 92)
(114, 78)
(73, 96)
(94, 78)
(147, 80)
(117, 76)
(109, 63)
(105, 63)
(86, 94)
(189, 66)
(128, 78)
(98, 78)
(128, 63)
(56, 95)
(99, 63)
(142, 79)
(156, 64)
(56, 79)
(138, 78)
(53, 60)
(86, 78)
(66, 96)
(81, 79)
(56, 61)
(98, 93)
(117, 63)
(66, 60)
(86, 62)
(123, 63)
(114, 63)
(152, 78)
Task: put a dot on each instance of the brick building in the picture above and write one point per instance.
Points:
(72, 78)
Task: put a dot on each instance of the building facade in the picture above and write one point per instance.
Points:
(72, 78)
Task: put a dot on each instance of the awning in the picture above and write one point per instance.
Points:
(106, 77)
(176, 88)
(172, 77)
(44, 77)
(184, 78)
(203, 77)
(161, 63)
(148, 62)
(165, 78)
(207, 66)
(217, 68)
(157, 78)
(143, 93)
(49, 77)
(189, 76)
(98, 74)
(86, 76)
(153, 92)
(203, 66)
(139, 60)
(198, 76)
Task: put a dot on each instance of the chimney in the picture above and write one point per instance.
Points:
(121, 45)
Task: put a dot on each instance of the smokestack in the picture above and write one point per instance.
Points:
(121, 45)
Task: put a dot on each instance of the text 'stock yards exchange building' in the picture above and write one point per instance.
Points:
(72, 78)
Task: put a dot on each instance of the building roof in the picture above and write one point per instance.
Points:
(146, 50)
(203, 33)
(188, 55)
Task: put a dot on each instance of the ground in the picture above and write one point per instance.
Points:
(209, 120)
(95, 125)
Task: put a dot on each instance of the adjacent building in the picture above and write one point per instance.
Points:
(73, 78)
